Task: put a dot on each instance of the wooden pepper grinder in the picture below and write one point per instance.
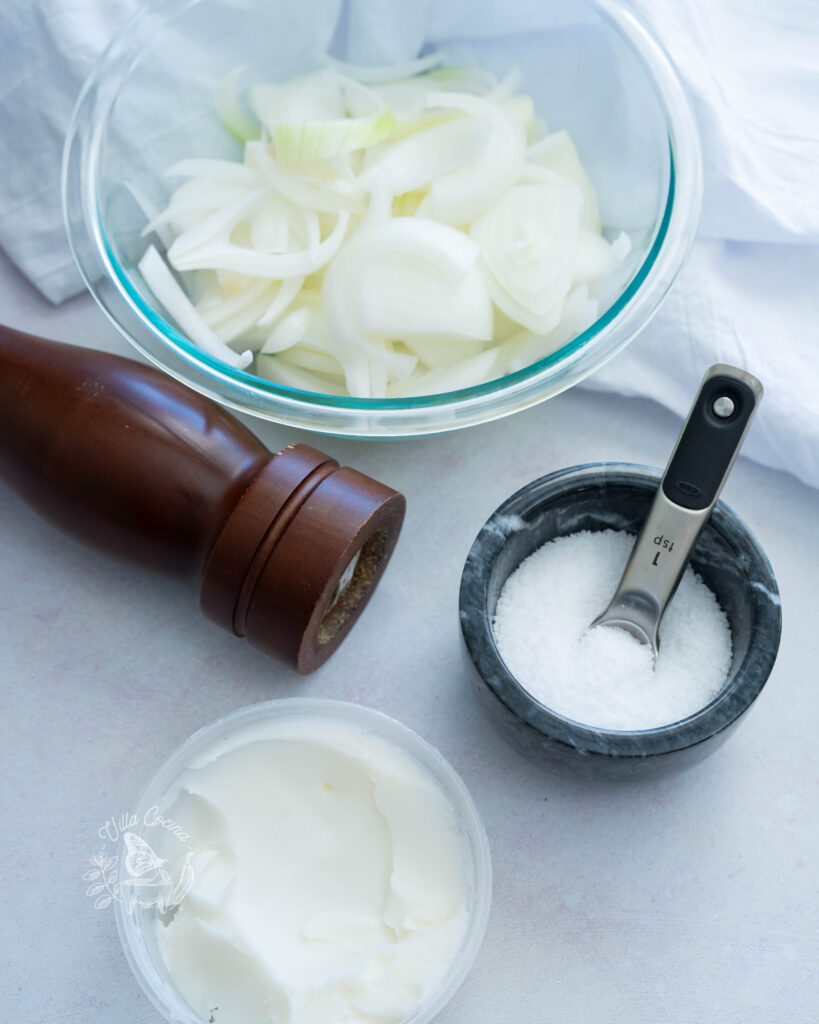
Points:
(288, 547)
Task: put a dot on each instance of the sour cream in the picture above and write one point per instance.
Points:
(330, 879)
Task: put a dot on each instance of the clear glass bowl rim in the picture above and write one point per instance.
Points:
(385, 727)
(164, 345)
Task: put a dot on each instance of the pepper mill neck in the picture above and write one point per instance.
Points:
(299, 555)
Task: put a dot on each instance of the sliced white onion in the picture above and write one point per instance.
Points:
(521, 107)
(450, 250)
(407, 205)
(413, 162)
(276, 369)
(357, 377)
(288, 290)
(169, 293)
(217, 309)
(420, 121)
(353, 294)
(524, 348)
(157, 220)
(621, 247)
(289, 331)
(506, 87)
(270, 227)
(342, 167)
(305, 327)
(236, 327)
(528, 241)
(460, 196)
(180, 215)
(538, 323)
(379, 380)
(381, 199)
(412, 245)
(465, 373)
(312, 228)
(407, 97)
(228, 172)
(356, 367)
(307, 358)
(595, 258)
(403, 296)
(325, 197)
(435, 353)
(218, 225)
(462, 78)
(557, 153)
(194, 200)
(225, 255)
(318, 140)
(320, 115)
(315, 96)
(537, 129)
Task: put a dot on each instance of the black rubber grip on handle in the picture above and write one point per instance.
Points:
(708, 444)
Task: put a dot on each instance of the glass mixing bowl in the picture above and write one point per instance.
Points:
(591, 67)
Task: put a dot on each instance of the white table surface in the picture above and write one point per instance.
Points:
(693, 900)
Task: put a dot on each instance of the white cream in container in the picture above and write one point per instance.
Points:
(340, 873)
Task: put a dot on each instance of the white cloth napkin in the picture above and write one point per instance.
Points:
(750, 293)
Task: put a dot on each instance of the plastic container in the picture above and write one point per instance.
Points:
(135, 927)
(615, 496)
(591, 68)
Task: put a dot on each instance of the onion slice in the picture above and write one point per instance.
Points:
(524, 348)
(320, 115)
(288, 290)
(413, 162)
(303, 191)
(216, 226)
(460, 196)
(281, 372)
(226, 171)
(222, 254)
(595, 258)
(402, 296)
(167, 291)
(408, 277)
(463, 374)
(557, 153)
(528, 241)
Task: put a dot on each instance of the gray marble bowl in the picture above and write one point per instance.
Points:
(615, 496)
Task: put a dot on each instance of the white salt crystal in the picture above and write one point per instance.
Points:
(604, 677)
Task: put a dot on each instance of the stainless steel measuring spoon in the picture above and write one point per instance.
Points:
(698, 468)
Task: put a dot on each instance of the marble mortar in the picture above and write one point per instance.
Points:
(615, 496)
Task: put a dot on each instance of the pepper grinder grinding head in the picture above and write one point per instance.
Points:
(288, 547)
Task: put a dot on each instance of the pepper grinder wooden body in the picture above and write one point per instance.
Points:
(121, 456)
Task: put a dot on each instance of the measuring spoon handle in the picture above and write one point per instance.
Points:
(699, 465)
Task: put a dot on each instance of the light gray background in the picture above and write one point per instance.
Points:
(687, 901)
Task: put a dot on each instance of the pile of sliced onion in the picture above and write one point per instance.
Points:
(389, 232)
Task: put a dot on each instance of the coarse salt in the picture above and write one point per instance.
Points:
(604, 677)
